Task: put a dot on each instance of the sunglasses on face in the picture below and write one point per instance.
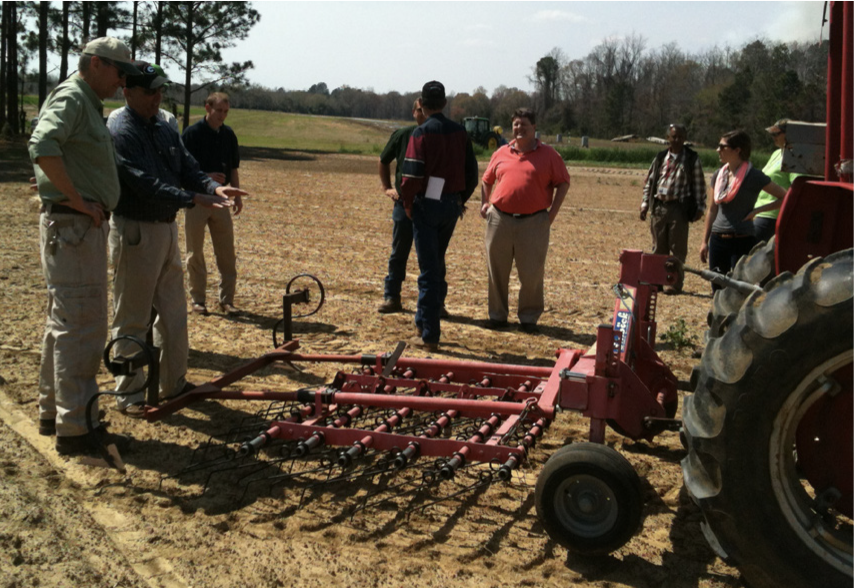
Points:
(119, 71)
(722, 146)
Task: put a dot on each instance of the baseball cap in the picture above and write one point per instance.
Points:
(149, 77)
(433, 91)
(780, 125)
(114, 50)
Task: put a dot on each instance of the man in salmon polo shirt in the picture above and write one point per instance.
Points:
(522, 191)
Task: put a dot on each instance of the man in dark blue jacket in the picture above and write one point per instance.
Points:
(153, 166)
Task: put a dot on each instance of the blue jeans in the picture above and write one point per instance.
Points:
(433, 223)
(401, 245)
(764, 228)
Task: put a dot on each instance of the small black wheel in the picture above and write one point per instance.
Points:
(589, 498)
(315, 290)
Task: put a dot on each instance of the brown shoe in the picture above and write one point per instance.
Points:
(200, 308)
(422, 344)
(134, 411)
(229, 309)
(390, 306)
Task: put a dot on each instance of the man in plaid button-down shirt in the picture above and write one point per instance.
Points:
(675, 191)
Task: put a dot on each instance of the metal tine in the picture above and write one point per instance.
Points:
(485, 479)
(425, 482)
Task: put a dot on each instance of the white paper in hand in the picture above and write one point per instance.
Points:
(434, 188)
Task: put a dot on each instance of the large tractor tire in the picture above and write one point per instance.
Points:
(492, 142)
(769, 431)
(757, 267)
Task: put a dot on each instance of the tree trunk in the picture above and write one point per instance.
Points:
(63, 50)
(133, 31)
(87, 19)
(3, 43)
(44, 8)
(12, 66)
(189, 64)
(158, 33)
(102, 19)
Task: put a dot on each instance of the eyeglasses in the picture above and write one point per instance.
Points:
(119, 71)
(722, 146)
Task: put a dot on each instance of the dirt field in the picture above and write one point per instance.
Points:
(65, 524)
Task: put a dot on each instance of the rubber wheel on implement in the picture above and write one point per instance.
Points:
(769, 431)
(492, 142)
(757, 267)
(589, 498)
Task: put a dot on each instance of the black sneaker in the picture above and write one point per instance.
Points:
(87, 445)
(390, 306)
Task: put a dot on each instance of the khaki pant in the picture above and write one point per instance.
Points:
(74, 262)
(527, 241)
(148, 273)
(222, 236)
(669, 229)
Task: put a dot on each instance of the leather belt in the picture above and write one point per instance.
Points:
(514, 215)
(62, 209)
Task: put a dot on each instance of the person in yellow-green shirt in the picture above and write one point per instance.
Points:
(765, 223)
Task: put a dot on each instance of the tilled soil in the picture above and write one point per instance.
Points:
(162, 523)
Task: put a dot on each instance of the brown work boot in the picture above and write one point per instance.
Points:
(200, 308)
(420, 343)
(390, 306)
(229, 309)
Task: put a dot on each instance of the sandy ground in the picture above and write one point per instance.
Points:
(63, 523)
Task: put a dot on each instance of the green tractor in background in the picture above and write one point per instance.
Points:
(481, 133)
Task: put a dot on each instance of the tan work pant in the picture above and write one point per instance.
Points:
(74, 263)
(222, 236)
(148, 273)
(527, 241)
(669, 229)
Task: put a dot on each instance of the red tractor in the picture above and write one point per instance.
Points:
(769, 426)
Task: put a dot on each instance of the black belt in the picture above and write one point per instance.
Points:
(168, 219)
(732, 235)
(61, 209)
(514, 215)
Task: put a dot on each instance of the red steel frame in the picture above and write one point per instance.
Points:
(620, 381)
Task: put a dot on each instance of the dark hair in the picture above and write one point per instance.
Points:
(525, 113)
(679, 129)
(739, 139)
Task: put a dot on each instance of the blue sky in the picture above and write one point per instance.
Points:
(398, 46)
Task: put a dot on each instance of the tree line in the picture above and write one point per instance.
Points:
(189, 35)
(620, 88)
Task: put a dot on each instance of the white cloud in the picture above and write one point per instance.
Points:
(558, 15)
(797, 21)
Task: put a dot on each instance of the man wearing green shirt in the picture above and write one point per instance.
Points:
(765, 223)
(75, 169)
(401, 236)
